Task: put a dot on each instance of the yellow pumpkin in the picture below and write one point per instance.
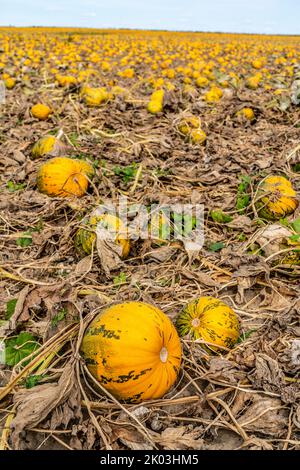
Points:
(128, 73)
(253, 81)
(213, 95)
(85, 237)
(41, 111)
(188, 123)
(276, 198)
(119, 91)
(211, 320)
(290, 258)
(190, 126)
(198, 136)
(156, 102)
(64, 177)
(246, 113)
(47, 145)
(202, 82)
(94, 96)
(155, 107)
(66, 80)
(157, 95)
(133, 350)
(10, 83)
(257, 64)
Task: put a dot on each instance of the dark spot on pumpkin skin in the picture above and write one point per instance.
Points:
(90, 362)
(104, 332)
(134, 398)
(124, 378)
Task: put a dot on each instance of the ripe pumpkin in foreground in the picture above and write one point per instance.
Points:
(133, 350)
(64, 177)
(209, 319)
(276, 198)
(85, 238)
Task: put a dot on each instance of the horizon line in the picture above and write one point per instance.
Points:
(113, 28)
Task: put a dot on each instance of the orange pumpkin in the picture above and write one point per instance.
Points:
(133, 350)
(41, 111)
(64, 177)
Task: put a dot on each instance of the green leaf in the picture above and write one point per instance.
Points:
(59, 316)
(244, 336)
(295, 238)
(216, 246)
(126, 172)
(241, 237)
(12, 187)
(296, 225)
(19, 347)
(39, 226)
(96, 164)
(219, 216)
(25, 241)
(243, 186)
(53, 132)
(243, 199)
(32, 381)
(10, 308)
(284, 222)
(120, 279)
(242, 202)
(73, 137)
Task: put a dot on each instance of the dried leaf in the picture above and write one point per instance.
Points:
(132, 439)
(181, 438)
(109, 254)
(267, 374)
(34, 405)
(264, 415)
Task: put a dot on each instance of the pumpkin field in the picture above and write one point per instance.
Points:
(140, 342)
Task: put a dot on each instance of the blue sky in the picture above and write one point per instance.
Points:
(252, 16)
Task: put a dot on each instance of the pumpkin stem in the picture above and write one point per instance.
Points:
(195, 322)
(163, 354)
